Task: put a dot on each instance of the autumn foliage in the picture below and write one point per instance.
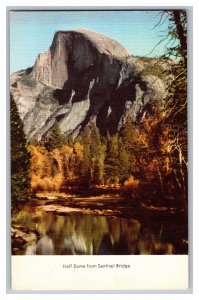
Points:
(49, 169)
(141, 160)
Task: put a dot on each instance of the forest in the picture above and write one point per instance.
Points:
(145, 160)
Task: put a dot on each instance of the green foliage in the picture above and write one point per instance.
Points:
(19, 157)
(94, 154)
(86, 164)
(133, 146)
(111, 161)
(123, 162)
(154, 69)
(143, 58)
(56, 139)
(128, 133)
(117, 160)
(153, 66)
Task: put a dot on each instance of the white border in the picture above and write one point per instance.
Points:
(69, 273)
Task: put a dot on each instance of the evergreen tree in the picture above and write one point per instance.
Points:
(92, 168)
(56, 139)
(112, 166)
(128, 133)
(97, 155)
(131, 145)
(20, 157)
(76, 160)
(123, 162)
(86, 163)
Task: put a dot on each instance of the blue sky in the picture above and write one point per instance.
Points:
(31, 32)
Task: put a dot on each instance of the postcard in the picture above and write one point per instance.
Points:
(99, 154)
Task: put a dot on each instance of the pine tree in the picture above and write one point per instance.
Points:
(92, 168)
(123, 162)
(86, 163)
(20, 157)
(56, 139)
(128, 133)
(131, 145)
(112, 166)
(97, 154)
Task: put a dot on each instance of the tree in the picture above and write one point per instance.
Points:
(56, 139)
(111, 160)
(123, 162)
(174, 122)
(177, 33)
(50, 170)
(135, 144)
(20, 157)
(97, 155)
(176, 106)
(86, 163)
(76, 159)
(92, 168)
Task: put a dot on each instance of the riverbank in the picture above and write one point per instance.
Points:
(102, 202)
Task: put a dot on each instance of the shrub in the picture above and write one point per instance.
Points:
(155, 70)
(47, 183)
(130, 190)
(131, 184)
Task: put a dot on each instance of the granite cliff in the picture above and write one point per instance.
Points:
(83, 77)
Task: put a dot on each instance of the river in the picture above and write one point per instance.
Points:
(94, 226)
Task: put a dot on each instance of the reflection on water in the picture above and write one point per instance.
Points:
(88, 234)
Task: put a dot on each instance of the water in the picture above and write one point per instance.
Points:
(49, 233)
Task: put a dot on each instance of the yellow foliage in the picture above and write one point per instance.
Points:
(47, 183)
(78, 148)
(131, 184)
(42, 175)
(40, 161)
(58, 158)
(66, 150)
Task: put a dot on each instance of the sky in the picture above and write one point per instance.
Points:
(31, 32)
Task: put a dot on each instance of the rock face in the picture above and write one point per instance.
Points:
(83, 77)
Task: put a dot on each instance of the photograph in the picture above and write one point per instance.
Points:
(98, 129)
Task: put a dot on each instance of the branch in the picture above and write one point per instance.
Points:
(161, 17)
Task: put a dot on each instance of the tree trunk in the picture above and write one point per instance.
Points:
(181, 33)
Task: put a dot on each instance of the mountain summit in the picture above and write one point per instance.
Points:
(83, 77)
